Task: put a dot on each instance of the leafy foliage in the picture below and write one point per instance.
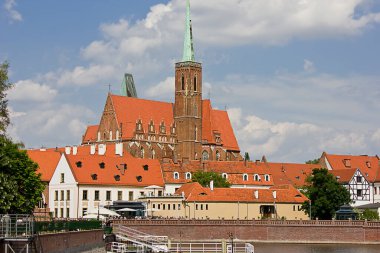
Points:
(315, 161)
(325, 193)
(369, 215)
(20, 185)
(4, 86)
(205, 177)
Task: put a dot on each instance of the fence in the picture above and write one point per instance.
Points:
(67, 225)
(16, 226)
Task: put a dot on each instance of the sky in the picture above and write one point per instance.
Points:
(297, 77)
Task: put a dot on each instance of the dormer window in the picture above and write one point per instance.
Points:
(173, 130)
(188, 175)
(162, 128)
(266, 178)
(102, 165)
(139, 178)
(117, 177)
(245, 177)
(256, 177)
(146, 167)
(176, 175)
(347, 163)
(224, 175)
(368, 164)
(79, 164)
(94, 176)
(139, 125)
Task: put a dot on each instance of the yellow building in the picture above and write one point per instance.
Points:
(194, 201)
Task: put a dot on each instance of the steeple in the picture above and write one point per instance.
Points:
(188, 49)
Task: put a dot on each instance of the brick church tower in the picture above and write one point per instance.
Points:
(188, 99)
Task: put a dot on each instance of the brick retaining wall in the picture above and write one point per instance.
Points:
(296, 231)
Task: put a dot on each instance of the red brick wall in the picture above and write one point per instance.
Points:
(257, 230)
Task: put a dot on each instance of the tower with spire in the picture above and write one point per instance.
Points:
(188, 98)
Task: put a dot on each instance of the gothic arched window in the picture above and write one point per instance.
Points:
(245, 177)
(142, 152)
(188, 175)
(205, 156)
(217, 155)
(195, 133)
(195, 83)
(183, 82)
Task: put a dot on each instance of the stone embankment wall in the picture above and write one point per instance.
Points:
(296, 231)
(72, 241)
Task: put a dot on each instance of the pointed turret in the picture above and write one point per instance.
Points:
(188, 49)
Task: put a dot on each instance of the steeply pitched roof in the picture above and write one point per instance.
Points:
(217, 121)
(233, 169)
(284, 194)
(47, 161)
(91, 134)
(88, 170)
(343, 176)
(368, 165)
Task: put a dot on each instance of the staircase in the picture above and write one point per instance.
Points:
(155, 243)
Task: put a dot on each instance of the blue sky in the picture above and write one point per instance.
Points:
(298, 77)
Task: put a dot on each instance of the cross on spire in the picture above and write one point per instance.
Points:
(188, 49)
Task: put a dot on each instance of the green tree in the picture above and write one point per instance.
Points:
(5, 85)
(20, 185)
(246, 156)
(369, 215)
(325, 193)
(315, 161)
(205, 177)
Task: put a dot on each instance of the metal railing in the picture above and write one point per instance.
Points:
(156, 243)
(16, 226)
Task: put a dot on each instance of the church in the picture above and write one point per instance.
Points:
(188, 129)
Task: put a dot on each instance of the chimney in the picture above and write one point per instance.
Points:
(257, 162)
(119, 149)
(102, 149)
(274, 194)
(183, 194)
(256, 193)
(92, 149)
(75, 150)
(67, 150)
(212, 185)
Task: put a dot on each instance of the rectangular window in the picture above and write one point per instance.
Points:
(84, 211)
(56, 212)
(158, 206)
(179, 206)
(119, 195)
(130, 197)
(96, 197)
(62, 195)
(84, 196)
(108, 195)
(173, 206)
(168, 206)
(206, 206)
(196, 207)
(56, 195)
(359, 193)
(359, 179)
(202, 207)
(68, 195)
(154, 205)
(61, 212)
(299, 208)
(163, 207)
(142, 194)
(294, 207)
(375, 190)
(62, 177)
(67, 212)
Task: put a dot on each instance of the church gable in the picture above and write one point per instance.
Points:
(108, 127)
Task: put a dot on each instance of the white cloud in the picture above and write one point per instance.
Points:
(162, 89)
(308, 66)
(13, 14)
(28, 90)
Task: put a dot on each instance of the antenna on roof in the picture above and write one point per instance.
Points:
(109, 87)
(225, 107)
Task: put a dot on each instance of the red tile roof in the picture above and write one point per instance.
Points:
(233, 169)
(291, 173)
(91, 134)
(129, 110)
(284, 194)
(343, 176)
(47, 161)
(217, 121)
(90, 165)
(368, 165)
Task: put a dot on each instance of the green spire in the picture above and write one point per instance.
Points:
(188, 49)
